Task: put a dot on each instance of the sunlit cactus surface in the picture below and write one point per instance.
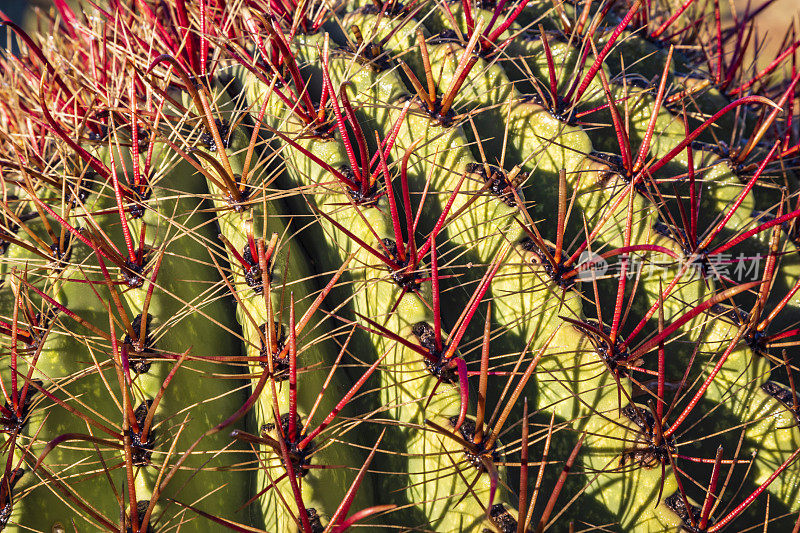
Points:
(437, 266)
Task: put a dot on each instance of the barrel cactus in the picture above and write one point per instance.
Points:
(428, 266)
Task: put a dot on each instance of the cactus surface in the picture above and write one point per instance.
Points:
(437, 266)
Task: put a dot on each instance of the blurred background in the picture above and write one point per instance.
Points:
(772, 23)
(20, 12)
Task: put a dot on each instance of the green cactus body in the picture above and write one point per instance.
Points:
(67, 367)
(625, 494)
(370, 300)
(742, 386)
(316, 352)
(187, 281)
(536, 186)
(574, 383)
(76, 367)
(441, 473)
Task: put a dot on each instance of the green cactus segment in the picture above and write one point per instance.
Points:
(628, 495)
(471, 184)
(544, 145)
(743, 386)
(375, 28)
(376, 92)
(367, 222)
(440, 471)
(574, 383)
(527, 55)
(441, 161)
(75, 365)
(375, 296)
(70, 366)
(290, 275)
(187, 313)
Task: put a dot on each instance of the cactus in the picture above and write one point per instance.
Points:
(434, 266)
